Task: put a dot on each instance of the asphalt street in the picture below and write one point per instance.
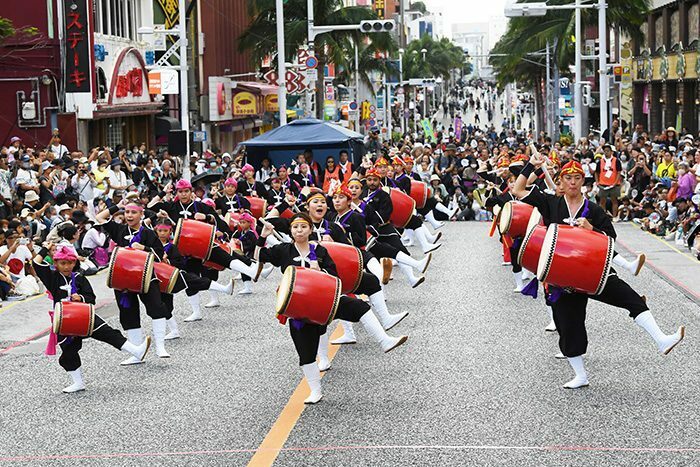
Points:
(476, 384)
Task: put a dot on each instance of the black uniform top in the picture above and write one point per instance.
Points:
(286, 254)
(177, 210)
(225, 203)
(555, 211)
(416, 177)
(275, 197)
(304, 181)
(403, 183)
(291, 185)
(247, 189)
(355, 228)
(377, 208)
(175, 258)
(499, 200)
(124, 236)
(248, 240)
(62, 287)
(328, 227)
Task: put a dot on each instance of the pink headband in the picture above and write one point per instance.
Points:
(231, 181)
(164, 226)
(246, 217)
(65, 252)
(133, 207)
(246, 168)
(183, 184)
(209, 202)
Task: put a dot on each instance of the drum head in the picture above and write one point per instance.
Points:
(57, 317)
(284, 291)
(547, 253)
(112, 259)
(176, 235)
(535, 219)
(506, 216)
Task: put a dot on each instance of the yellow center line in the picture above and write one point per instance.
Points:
(269, 449)
(664, 242)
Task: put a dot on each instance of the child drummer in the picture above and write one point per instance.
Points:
(65, 285)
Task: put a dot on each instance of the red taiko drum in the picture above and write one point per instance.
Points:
(308, 295)
(224, 246)
(167, 275)
(348, 262)
(419, 193)
(232, 219)
(130, 270)
(403, 206)
(514, 218)
(576, 258)
(194, 238)
(258, 206)
(74, 319)
(529, 252)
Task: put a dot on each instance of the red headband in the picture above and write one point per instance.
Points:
(572, 168)
(133, 207)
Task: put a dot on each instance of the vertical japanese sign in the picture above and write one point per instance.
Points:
(78, 57)
(379, 8)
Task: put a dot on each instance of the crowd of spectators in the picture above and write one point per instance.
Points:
(53, 194)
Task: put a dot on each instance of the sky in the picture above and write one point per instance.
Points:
(467, 11)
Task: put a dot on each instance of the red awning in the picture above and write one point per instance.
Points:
(261, 88)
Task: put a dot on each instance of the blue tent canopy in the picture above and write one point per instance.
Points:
(284, 143)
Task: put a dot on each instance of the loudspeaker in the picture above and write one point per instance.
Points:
(177, 143)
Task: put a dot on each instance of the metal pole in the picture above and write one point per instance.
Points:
(415, 110)
(310, 41)
(603, 65)
(281, 67)
(578, 77)
(357, 87)
(425, 101)
(387, 107)
(184, 87)
(403, 104)
(548, 98)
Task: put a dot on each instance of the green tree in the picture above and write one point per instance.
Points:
(441, 58)
(527, 35)
(334, 47)
(8, 30)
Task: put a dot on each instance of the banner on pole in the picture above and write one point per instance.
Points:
(428, 130)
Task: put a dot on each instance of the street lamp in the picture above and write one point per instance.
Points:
(540, 9)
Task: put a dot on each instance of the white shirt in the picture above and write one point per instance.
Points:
(58, 150)
(26, 176)
(22, 253)
(84, 187)
(93, 239)
(116, 179)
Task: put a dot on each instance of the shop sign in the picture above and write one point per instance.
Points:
(77, 44)
(271, 103)
(244, 103)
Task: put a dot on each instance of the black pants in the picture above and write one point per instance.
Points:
(130, 316)
(190, 283)
(70, 346)
(430, 204)
(415, 222)
(514, 250)
(306, 339)
(369, 284)
(388, 246)
(570, 313)
(220, 257)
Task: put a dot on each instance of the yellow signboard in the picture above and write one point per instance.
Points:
(271, 104)
(244, 103)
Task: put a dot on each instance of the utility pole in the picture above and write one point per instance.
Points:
(387, 109)
(281, 66)
(603, 68)
(578, 101)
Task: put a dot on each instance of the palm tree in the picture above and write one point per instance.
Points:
(333, 47)
(526, 35)
(370, 62)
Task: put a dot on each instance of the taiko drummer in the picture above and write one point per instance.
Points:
(68, 287)
(306, 335)
(569, 308)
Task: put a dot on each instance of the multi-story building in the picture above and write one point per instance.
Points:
(665, 67)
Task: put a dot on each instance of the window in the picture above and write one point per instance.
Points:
(693, 23)
(119, 18)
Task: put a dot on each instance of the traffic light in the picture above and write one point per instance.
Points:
(596, 47)
(378, 25)
(586, 98)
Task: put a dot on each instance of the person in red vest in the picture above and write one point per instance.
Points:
(609, 178)
(346, 167)
(332, 172)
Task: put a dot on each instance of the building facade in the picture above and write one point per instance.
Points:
(665, 67)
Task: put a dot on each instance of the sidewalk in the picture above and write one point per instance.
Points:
(29, 317)
(675, 265)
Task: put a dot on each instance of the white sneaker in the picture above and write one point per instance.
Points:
(172, 335)
(75, 387)
(576, 383)
(131, 361)
(213, 303)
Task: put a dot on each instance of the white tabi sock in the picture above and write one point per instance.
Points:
(664, 342)
(581, 379)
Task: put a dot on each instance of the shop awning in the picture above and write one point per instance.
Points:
(261, 88)
(128, 110)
